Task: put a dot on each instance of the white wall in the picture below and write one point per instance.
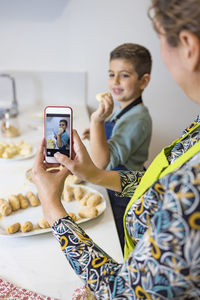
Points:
(78, 35)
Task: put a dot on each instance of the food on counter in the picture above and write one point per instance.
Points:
(5, 208)
(2, 201)
(78, 193)
(88, 212)
(13, 228)
(68, 193)
(24, 148)
(14, 202)
(42, 223)
(27, 226)
(72, 179)
(94, 200)
(83, 201)
(73, 216)
(20, 202)
(9, 150)
(100, 96)
(32, 199)
(23, 201)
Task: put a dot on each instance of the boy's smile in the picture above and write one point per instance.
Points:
(123, 81)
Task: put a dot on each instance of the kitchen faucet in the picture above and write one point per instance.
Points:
(13, 109)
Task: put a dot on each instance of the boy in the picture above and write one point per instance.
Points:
(62, 137)
(122, 142)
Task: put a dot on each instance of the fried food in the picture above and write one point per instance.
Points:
(14, 202)
(9, 150)
(78, 193)
(72, 179)
(32, 199)
(5, 208)
(68, 193)
(27, 226)
(13, 228)
(42, 223)
(88, 212)
(94, 200)
(23, 201)
(83, 201)
(100, 96)
(73, 216)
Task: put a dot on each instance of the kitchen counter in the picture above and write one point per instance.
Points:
(36, 262)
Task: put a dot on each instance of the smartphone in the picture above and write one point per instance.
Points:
(58, 122)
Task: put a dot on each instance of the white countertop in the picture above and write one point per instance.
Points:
(36, 262)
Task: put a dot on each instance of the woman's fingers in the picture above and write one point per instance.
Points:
(40, 153)
(78, 145)
(79, 150)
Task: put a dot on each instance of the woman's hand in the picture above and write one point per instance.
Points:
(49, 186)
(104, 110)
(82, 165)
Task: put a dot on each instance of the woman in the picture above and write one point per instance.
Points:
(162, 219)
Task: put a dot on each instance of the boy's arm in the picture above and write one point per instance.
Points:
(100, 152)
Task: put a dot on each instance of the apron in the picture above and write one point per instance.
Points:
(158, 168)
(119, 204)
(110, 124)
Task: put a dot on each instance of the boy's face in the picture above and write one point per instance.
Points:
(62, 125)
(123, 81)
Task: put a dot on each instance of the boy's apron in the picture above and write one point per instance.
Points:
(119, 204)
(158, 168)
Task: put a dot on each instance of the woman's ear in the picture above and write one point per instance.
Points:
(190, 49)
(144, 81)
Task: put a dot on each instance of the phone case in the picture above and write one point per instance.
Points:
(58, 109)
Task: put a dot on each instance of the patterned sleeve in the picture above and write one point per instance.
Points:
(164, 264)
(129, 182)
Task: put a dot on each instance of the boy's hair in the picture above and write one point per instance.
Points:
(64, 121)
(138, 55)
(174, 16)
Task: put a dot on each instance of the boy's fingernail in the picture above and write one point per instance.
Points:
(57, 154)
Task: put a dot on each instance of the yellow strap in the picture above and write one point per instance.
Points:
(158, 168)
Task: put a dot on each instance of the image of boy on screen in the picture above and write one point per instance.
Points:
(57, 134)
(62, 137)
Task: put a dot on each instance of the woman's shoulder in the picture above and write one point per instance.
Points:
(194, 123)
(185, 181)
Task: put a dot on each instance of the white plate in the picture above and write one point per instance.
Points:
(33, 214)
(19, 157)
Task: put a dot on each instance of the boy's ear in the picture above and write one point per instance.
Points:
(190, 49)
(144, 81)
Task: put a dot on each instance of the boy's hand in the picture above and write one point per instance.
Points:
(86, 134)
(60, 131)
(104, 110)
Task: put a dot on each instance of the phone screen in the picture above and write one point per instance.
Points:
(58, 133)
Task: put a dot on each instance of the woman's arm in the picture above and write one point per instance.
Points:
(166, 252)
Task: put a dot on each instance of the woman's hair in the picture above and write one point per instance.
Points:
(139, 56)
(174, 16)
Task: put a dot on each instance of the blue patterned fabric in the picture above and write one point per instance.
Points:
(165, 227)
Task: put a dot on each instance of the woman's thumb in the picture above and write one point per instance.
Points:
(62, 159)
